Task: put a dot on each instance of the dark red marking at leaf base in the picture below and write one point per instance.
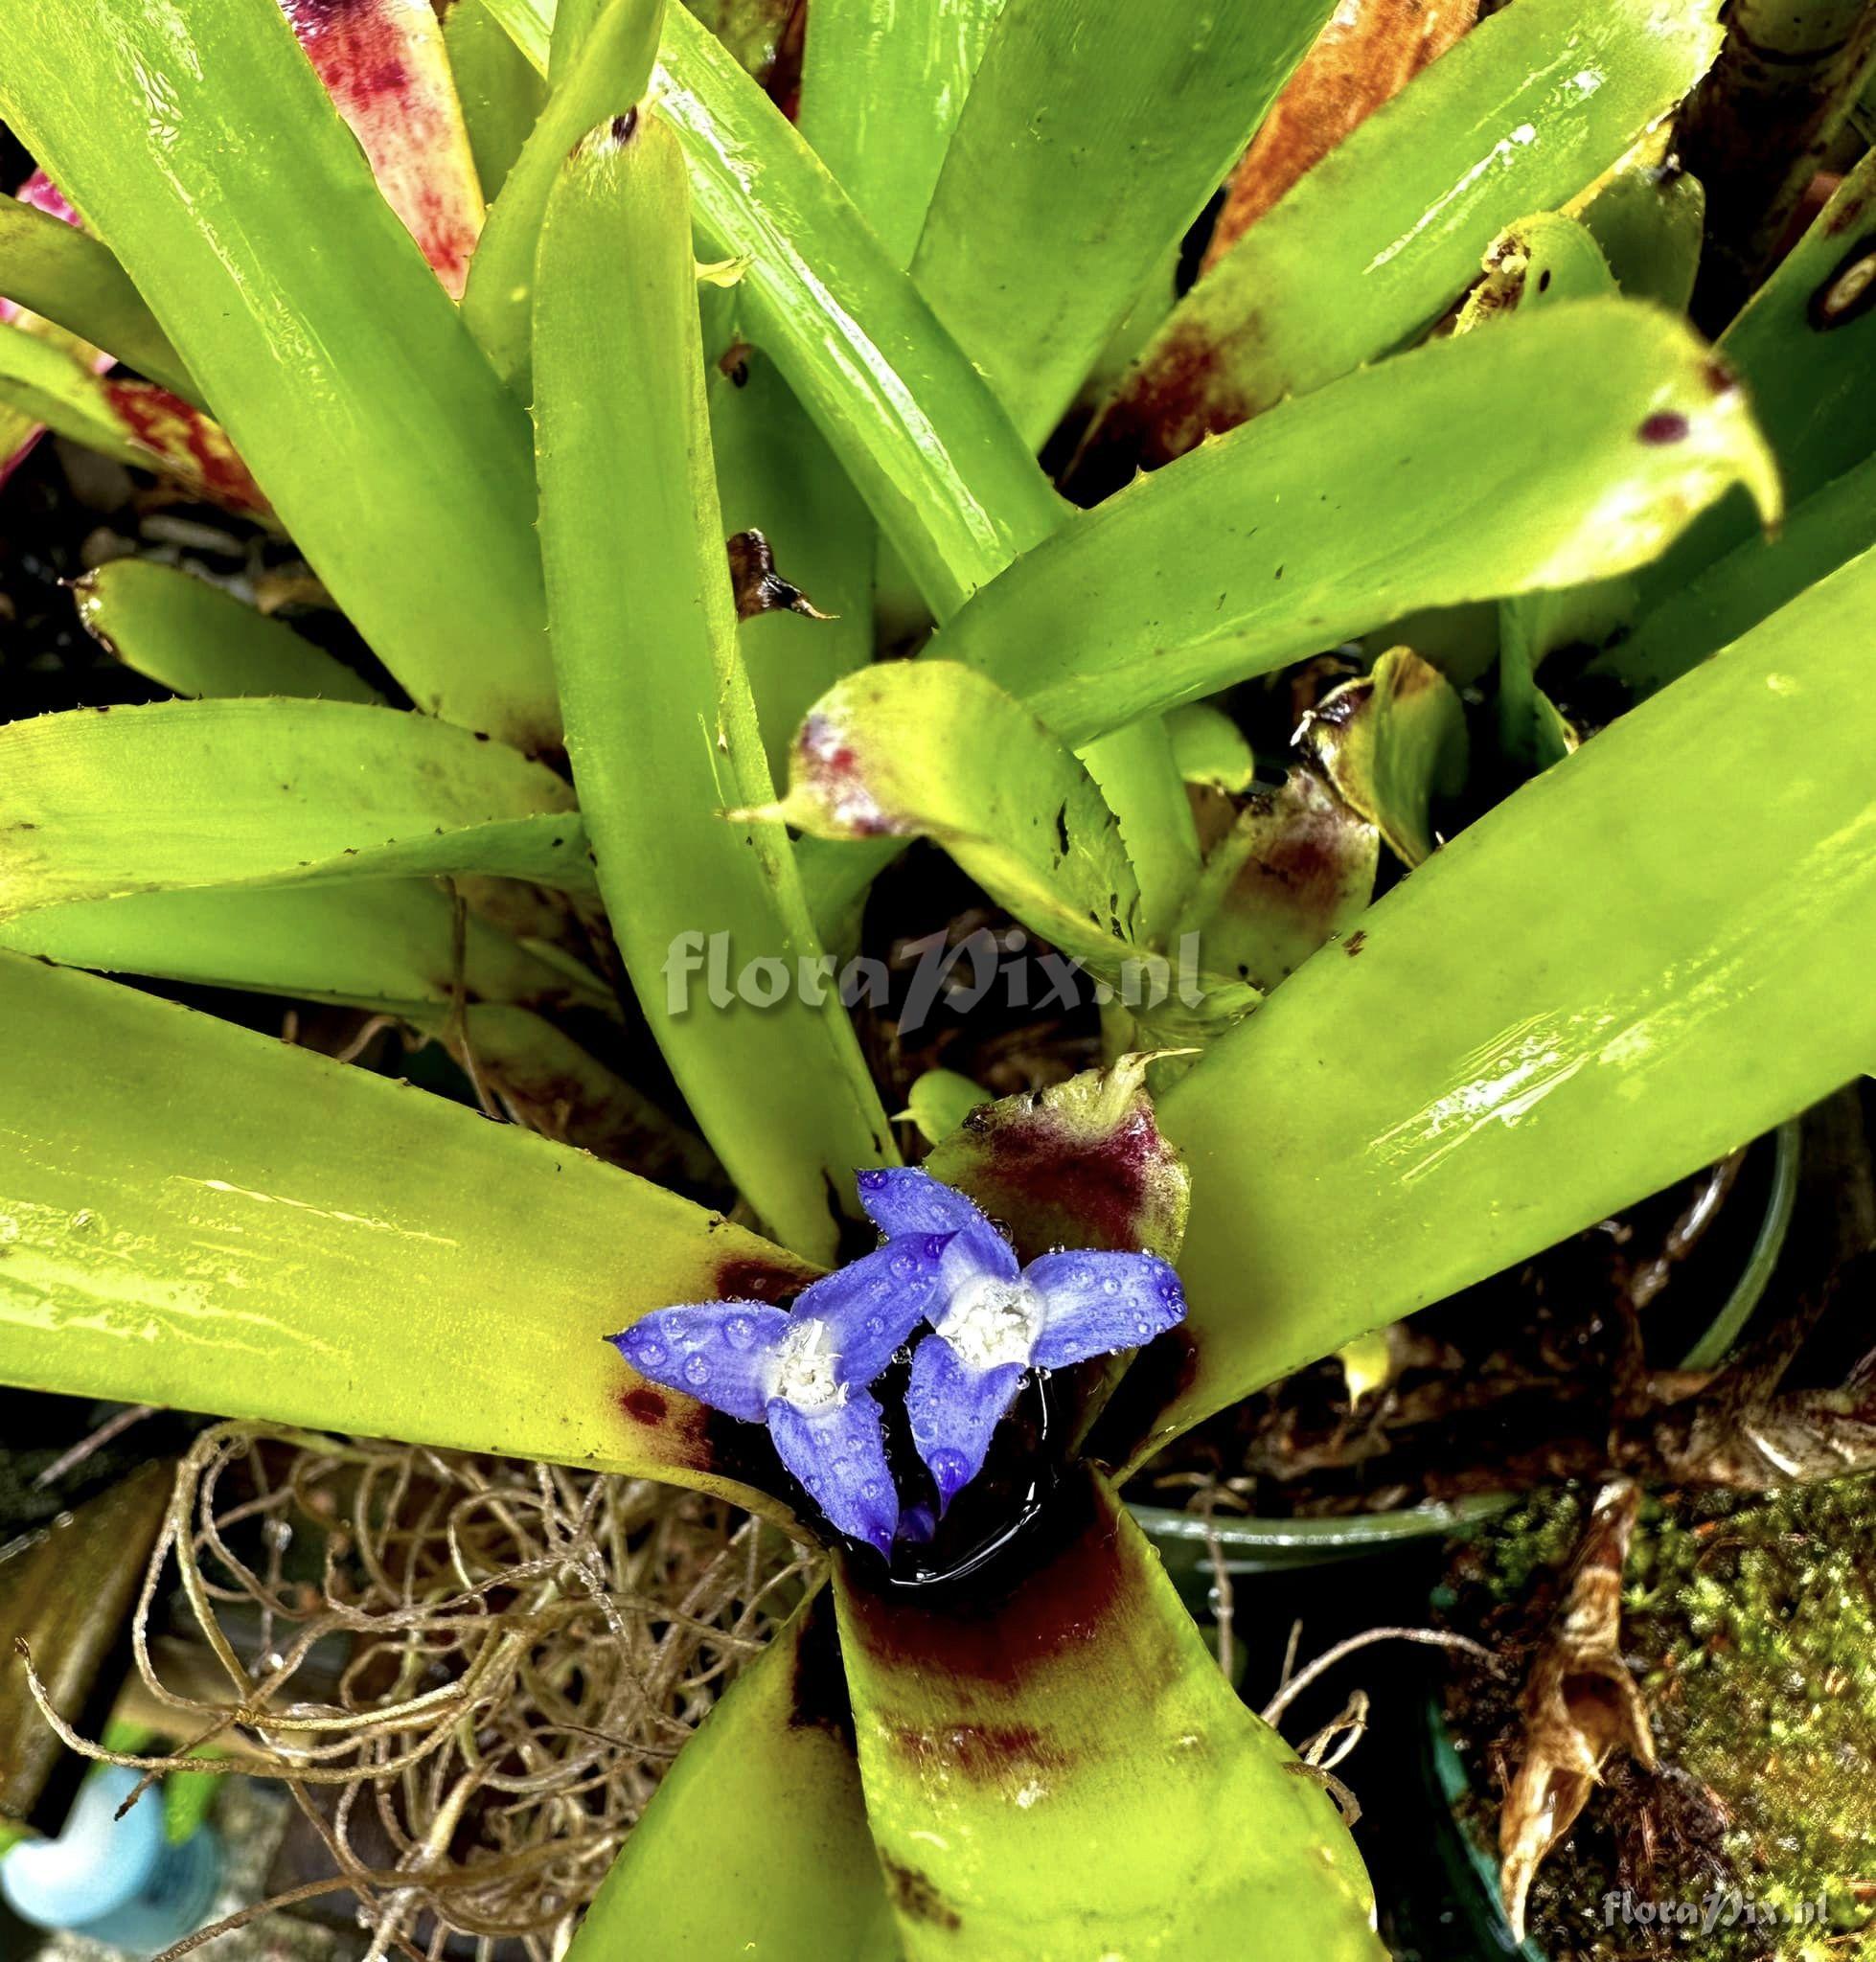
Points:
(644, 1404)
(624, 127)
(170, 427)
(1043, 1594)
(1159, 1375)
(1665, 425)
(985, 1753)
(1100, 1184)
(746, 1277)
(915, 1897)
(1356, 942)
(818, 1698)
(1719, 378)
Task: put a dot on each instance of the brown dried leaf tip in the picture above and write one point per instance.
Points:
(759, 587)
(1581, 1705)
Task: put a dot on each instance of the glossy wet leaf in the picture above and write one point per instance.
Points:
(64, 275)
(385, 945)
(1144, 112)
(927, 749)
(1077, 1164)
(1236, 559)
(883, 84)
(244, 212)
(1295, 869)
(1016, 1814)
(383, 65)
(1394, 746)
(135, 421)
(606, 73)
(1601, 1006)
(946, 475)
(222, 793)
(194, 639)
(1804, 346)
(661, 725)
(756, 1842)
(376, 1265)
(1385, 232)
(1367, 52)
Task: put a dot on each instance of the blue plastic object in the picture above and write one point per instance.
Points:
(118, 1881)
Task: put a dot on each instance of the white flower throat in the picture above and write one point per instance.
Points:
(992, 1322)
(804, 1364)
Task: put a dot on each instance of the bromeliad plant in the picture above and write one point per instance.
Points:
(1648, 952)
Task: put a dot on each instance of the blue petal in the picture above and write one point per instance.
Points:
(903, 1202)
(953, 1409)
(1096, 1303)
(872, 1307)
(719, 1351)
(839, 1455)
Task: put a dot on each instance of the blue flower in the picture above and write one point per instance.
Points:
(993, 1319)
(806, 1374)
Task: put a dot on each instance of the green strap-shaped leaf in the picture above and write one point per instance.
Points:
(930, 749)
(606, 72)
(135, 421)
(197, 141)
(1804, 345)
(1095, 135)
(1375, 241)
(1758, 577)
(501, 93)
(1647, 955)
(946, 476)
(1243, 556)
(1646, 220)
(756, 1844)
(387, 944)
(194, 639)
(217, 793)
(64, 274)
(661, 726)
(197, 1216)
(1056, 1769)
(883, 84)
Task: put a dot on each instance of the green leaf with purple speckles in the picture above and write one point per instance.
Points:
(199, 1216)
(1016, 1813)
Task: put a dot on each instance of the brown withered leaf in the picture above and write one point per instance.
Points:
(759, 587)
(1580, 1704)
(1368, 53)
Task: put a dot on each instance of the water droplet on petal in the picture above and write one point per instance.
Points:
(740, 1329)
(697, 1370)
(1110, 1286)
(902, 1265)
(649, 1352)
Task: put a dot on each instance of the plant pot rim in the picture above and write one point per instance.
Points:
(1271, 1541)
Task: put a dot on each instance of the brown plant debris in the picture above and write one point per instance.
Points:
(1580, 1705)
(488, 1664)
